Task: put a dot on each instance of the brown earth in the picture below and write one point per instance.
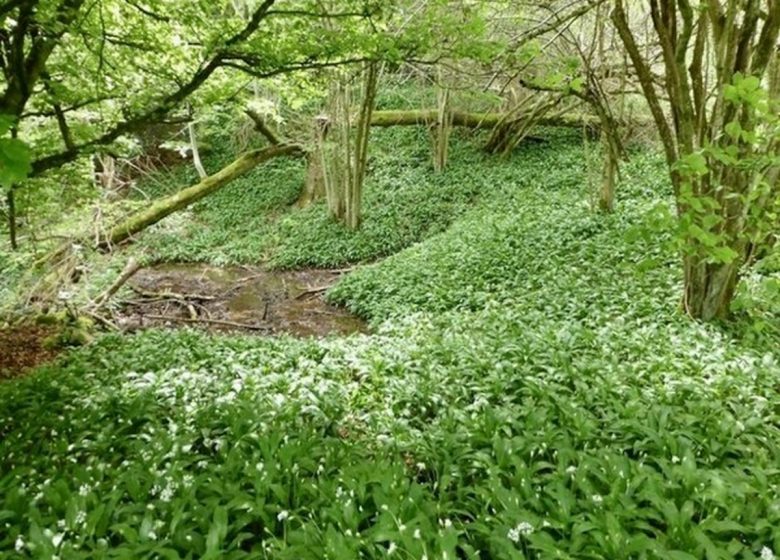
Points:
(22, 348)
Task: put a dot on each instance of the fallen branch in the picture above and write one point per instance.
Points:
(316, 290)
(170, 295)
(130, 269)
(209, 321)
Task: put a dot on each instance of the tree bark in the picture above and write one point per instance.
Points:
(709, 288)
(358, 175)
(170, 204)
(11, 203)
(314, 185)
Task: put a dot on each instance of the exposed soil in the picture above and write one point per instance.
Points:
(22, 348)
(236, 299)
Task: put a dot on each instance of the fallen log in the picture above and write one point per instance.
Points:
(488, 121)
(170, 204)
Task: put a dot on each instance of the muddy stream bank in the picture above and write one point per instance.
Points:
(245, 299)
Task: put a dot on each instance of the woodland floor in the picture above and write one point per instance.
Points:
(527, 387)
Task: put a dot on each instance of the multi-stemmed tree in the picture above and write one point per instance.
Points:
(720, 132)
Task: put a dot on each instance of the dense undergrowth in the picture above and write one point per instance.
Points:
(531, 391)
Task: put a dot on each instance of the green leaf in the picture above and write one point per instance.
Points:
(724, 254)
(733, 129)
(217, 532)
(6, 122)
(14, 161)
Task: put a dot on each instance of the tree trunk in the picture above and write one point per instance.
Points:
(441, 133)
(608, 179)
(314, 185)
(344, 156)
(613, 151)
(196, 152)
(170, 204)
(363, 130)
(718, 202)
(9, 198)
(709, 288)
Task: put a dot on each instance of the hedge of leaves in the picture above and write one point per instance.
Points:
(530, 391)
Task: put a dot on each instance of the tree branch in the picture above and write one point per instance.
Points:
(163, 107)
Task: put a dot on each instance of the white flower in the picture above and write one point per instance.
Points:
(525, 528)
(675, 459)
(80, 518)
(597, 499)
(766, 553)
(167, 493)
(56, 540)
(522, 529)
(84, 490)
(417, 534)
(391, 548)
(571, 470)
(19, 544)
(282, 515)
(152, 536)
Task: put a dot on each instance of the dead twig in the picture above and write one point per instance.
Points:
(100, 319)
(310, 291)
